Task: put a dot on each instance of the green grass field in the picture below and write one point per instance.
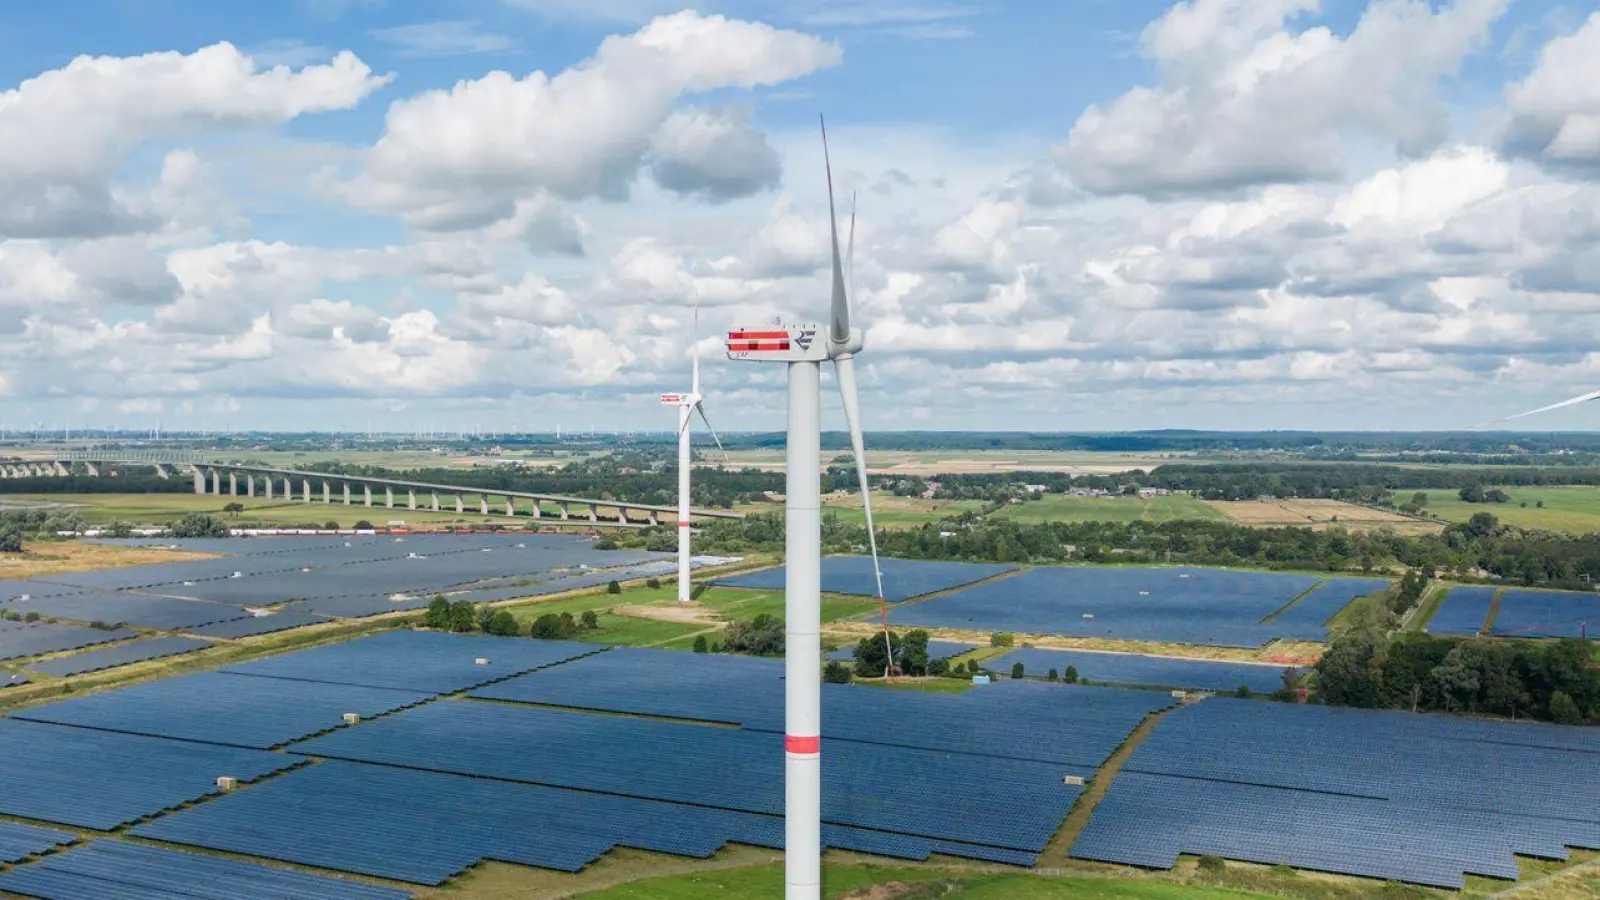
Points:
(1574, 508)
(767, 881)
(1061, 508)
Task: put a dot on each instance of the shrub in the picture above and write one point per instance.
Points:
(761, 636)
(612, 587)
(1564, 710)
(938, 667)
(653, 583)
(836, 672)
(31, 617)
(1243, 692)
(1212, 864)
(1002, 639)
(438, 614)
(363, 525)
(503, 623)
(10, 538)
(1070, 676)
(590, 620)
(700, 644)
(548, 627)
(1053, 676)
(463, 616)
(1016, 670)
(199, 525)
(605, 544)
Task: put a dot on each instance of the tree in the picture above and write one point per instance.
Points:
(31, 617)
(463, 616)
(1070, 676)
(569, 625)
(1017, 670)
(547, 627)
(1002, 639)
(118, 530)
(590, 620)
(234, 509)
(1564, 710)
(653, 583)
(836, 672)
(10, 538)
(363, 525)
(199, 525)
(1243, 692)
(700, 645)
(438, 614)
(1053, 676)
(1419, 500)
(912, 652)
(939, 667)
(872, 657)
(761, 636)
(1538, 504)
(1472, 493)
(612, 587)
(503, 624)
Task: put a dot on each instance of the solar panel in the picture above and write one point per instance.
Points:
(97, 779)
(163, 613)
(117, 870)
(417, 660)
(1463, 611)
(1557, 614)
(1168, 604)
(35, 639)
(902, 578)
(111, 657)
(1151, 671)
(1419, 798)
(283, 620)
(18, 841)
(221, 708)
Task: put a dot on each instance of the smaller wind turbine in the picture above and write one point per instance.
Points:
(1574, 401)
(688, 404)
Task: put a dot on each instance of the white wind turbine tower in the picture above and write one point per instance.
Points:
(688, 404)
(799, 346)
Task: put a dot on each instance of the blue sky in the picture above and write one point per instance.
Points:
(1084, 215)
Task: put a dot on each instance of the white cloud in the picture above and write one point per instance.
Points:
(713, 155)
(463, 158)
(1555, 111)
(1243, 100)
(67, 130)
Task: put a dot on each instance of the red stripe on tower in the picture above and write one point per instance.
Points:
(802, 746)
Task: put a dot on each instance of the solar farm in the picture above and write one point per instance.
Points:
(398, 762)
(1515, 612)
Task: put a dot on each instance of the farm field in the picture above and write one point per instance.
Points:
(888, 511)
(1062, 508)
(1319, 514)
(1572, 508)
(900, 462)
(56, 557)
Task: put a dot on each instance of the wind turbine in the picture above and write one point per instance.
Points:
(798, 345)
(1581, 398)
(687, 404)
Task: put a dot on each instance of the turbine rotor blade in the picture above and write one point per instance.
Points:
(839, 329)
(850, 251)
(702, 411)
(694, 345)
(1574, 401)
(844, 368)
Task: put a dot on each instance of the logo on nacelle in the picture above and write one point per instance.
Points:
(804, 338)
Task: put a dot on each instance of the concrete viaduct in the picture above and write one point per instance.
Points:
(243, 480)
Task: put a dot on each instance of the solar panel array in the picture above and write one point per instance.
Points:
(18, 842)
(427, 661)
(936, 650)
(282, 620)
(19, 639)
(97, 779)
(1308, 617)
(220, 708)
(117, 870)
(12, 679)
(1152, 671)
(1557, 614)
(111, 657)
(1218, 607)
(1418, 798)
(1007, 803)
(902, 578)
(1463, 611)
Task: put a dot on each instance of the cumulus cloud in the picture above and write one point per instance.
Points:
(1245, 100)
(463, 158)
(66, 131)
(713, 155)
(1554, 113)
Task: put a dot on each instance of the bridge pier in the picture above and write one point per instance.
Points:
(411, 499)
(199, 481)
(594, 513)
(216, 482)
(61, 468)
(566, 511)
(655, 517)
(326, 496)
(266, 483)
(367, 491)
(305, 489)
(233, 484)
(511, 507)
(622, 515)
(435, 496)
(483, 505)
(388, 496)
(161, 471)
(347, 493)
(249, 485)
(288, 489)
(459, 508)
(93, 469)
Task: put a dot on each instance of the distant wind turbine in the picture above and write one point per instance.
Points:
(688, 404)
(1574, 401)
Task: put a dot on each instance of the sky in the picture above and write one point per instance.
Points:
(1085, 215)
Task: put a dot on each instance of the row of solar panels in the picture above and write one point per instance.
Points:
(1522, 613)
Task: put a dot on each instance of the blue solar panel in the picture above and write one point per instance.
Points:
(1309, 615)
(17, 842)
(986, 800)
(1417, 798)
(111, 657)
(1153, 671)
(1525, 613)
(282, 620)
(18, 639)
(117, 870)
(1150, 603)
(12, 679)
(163, 613)
(1463, 612)
(417, 660)
(221, 708)
(902, 578)
(97, 779)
